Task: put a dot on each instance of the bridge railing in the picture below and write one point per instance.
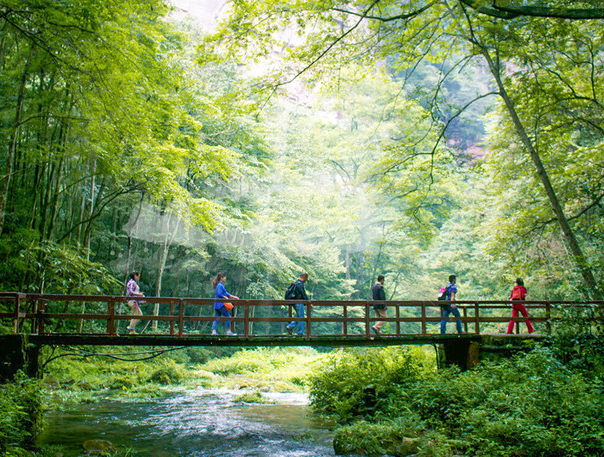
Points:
(108, 315)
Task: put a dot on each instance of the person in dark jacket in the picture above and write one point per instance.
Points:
(300, 294)
(379, 294)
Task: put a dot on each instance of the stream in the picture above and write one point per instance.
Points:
(193, 423)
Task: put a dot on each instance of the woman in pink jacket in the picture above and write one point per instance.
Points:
(519, 294)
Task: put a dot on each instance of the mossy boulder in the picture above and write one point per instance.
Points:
(373, 440)
(98, 447)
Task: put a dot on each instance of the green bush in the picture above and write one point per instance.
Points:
(21, 404)
(124, 381)
(167, 372)
(341, 387)
(579, 340)
(371, 439)
(529, 405)
(252, 397)
(191, 355)
(199, 355)
(261, 361)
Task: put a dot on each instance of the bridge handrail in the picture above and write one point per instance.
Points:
(38, 314)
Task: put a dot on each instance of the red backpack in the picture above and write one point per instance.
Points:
(516, 293)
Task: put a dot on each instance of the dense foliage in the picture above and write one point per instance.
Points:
(338, 385)
(104, 372)
(21, 403)
(133, 140)
(343, 138)
(541, 75)
(527, 405)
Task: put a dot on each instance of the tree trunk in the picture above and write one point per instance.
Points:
(12, 143)
(170, 234)
(130, 231)
(55, 199)
(569, 236)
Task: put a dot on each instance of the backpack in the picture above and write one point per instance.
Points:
(516, 294)
(292, 291)
(442, 293)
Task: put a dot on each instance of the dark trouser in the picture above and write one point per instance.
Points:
(447, 309)
(299, 308)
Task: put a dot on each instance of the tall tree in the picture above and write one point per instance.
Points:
(454, 33)
(95, 108)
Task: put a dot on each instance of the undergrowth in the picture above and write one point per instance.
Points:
(529, 405)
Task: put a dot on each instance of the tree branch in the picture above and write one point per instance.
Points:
(386, 19)
(326, 51)
(511, 12)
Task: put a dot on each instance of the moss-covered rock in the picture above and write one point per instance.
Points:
(98, 447)
(374, 440)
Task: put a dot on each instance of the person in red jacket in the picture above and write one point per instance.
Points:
(519, 294)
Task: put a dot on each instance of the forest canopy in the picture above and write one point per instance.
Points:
(347, 139)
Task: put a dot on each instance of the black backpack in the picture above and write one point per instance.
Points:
(292, 291)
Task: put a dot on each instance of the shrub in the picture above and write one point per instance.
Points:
(21, 405)
(372, 439)
(167, 372)
(252, 397)
(528, 405)
(346, 384)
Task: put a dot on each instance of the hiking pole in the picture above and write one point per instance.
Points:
(145, 327)
(120, 310)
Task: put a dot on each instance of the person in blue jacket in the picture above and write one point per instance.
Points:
(219, 308)
(451, 308)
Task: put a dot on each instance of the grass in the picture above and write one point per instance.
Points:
(277, 369)
(77, 378)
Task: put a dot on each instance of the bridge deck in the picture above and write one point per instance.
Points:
(494, 342)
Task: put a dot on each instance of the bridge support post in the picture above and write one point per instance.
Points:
(461, 352)
(16, 353)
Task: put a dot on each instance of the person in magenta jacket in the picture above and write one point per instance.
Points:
(219, 308)
(519, 294)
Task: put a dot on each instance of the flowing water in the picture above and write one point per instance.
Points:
(194, 423)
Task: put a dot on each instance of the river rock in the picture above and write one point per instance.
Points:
(407, 446)
(98, 447)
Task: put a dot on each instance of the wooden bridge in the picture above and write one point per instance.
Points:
(46, 319)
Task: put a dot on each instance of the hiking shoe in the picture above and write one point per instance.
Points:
(289, 331)
(132, 332)
(230, 333)
(214, 332)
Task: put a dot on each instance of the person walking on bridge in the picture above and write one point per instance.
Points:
(519, 294)
(379, 294)
(450, 308)
(133, 290)
(298, 292)
(219, 306)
